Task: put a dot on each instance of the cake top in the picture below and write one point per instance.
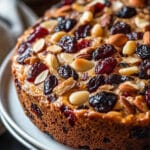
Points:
(93, 57)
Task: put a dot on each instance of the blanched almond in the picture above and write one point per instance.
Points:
(141, 22)
(129, 48)
(97, 30)
(65, 57)
(131, 60)
(55, 49)
(86, 17)
(57, 36)
(41, 77)
(51, 61)
(50, 24)
(118, 39)
(82, 65)
(78, 98)
(129, 70)
(146, 38)
(38, 45)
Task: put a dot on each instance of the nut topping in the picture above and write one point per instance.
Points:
(78, 98)
(41, 77)
(38, 45)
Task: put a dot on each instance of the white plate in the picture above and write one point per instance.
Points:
(16, 135)
(12, 112)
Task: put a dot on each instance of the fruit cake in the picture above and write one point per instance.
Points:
(82, 73)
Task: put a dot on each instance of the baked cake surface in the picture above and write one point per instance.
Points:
(82, 73)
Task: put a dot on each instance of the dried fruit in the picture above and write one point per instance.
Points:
(106, 66)
(36, 110)
(83, 44)
(143, 51)
(117, 79)
(35, 70)
(98, 7)
(120, 27)
(135, 35)
(144, 69)
(67, 2)
(68, 44)
(65, 24)
(103, 101)
(24, 52)
(95, 82)
(83, 31)
(126, 12)
(49, 84)
(103, 51)
(38, 32)
(66, 71)
(147, 97)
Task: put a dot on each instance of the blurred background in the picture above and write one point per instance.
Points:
(15, 17)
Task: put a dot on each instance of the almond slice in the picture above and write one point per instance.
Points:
(41, 77)
(38, 45)
(49, 25)
(55, 49)
(82, 65)
(141, 22)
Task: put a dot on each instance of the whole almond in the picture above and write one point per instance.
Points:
(136, 3)
(79, 97)
(146, 38)
(82, 65)
(118, 39)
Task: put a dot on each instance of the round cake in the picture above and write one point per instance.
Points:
(82, 73)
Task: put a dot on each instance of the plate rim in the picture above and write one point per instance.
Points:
(16, 135)
(5, 114)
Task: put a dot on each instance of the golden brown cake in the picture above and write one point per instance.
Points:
(82, 73)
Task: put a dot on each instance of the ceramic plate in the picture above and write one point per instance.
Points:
(12, 112)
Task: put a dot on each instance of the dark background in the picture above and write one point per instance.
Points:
(7, 141)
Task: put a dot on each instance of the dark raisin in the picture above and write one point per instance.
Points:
(35, 70)
(49, 84)
(65, 130)
(95, 82)
(135, 35)
(69, 114)
(123, 65)
(106, 66)
(108, 3)
(120, 27)
(51, 98)
(103, 101)
(23, 47)
(66, 71)
(145, 69)
(68, 44)
(65, 24)
(143, 51)
(83, 44)
(21, 58)
(117, 79)
(83, 31)
(140, 132)
(36, 110)
(38, 32)
(67, 2)
(147, 97)
(17, 84)
(103, 51)
(98, 7)
(126, 12)
(106, 140)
